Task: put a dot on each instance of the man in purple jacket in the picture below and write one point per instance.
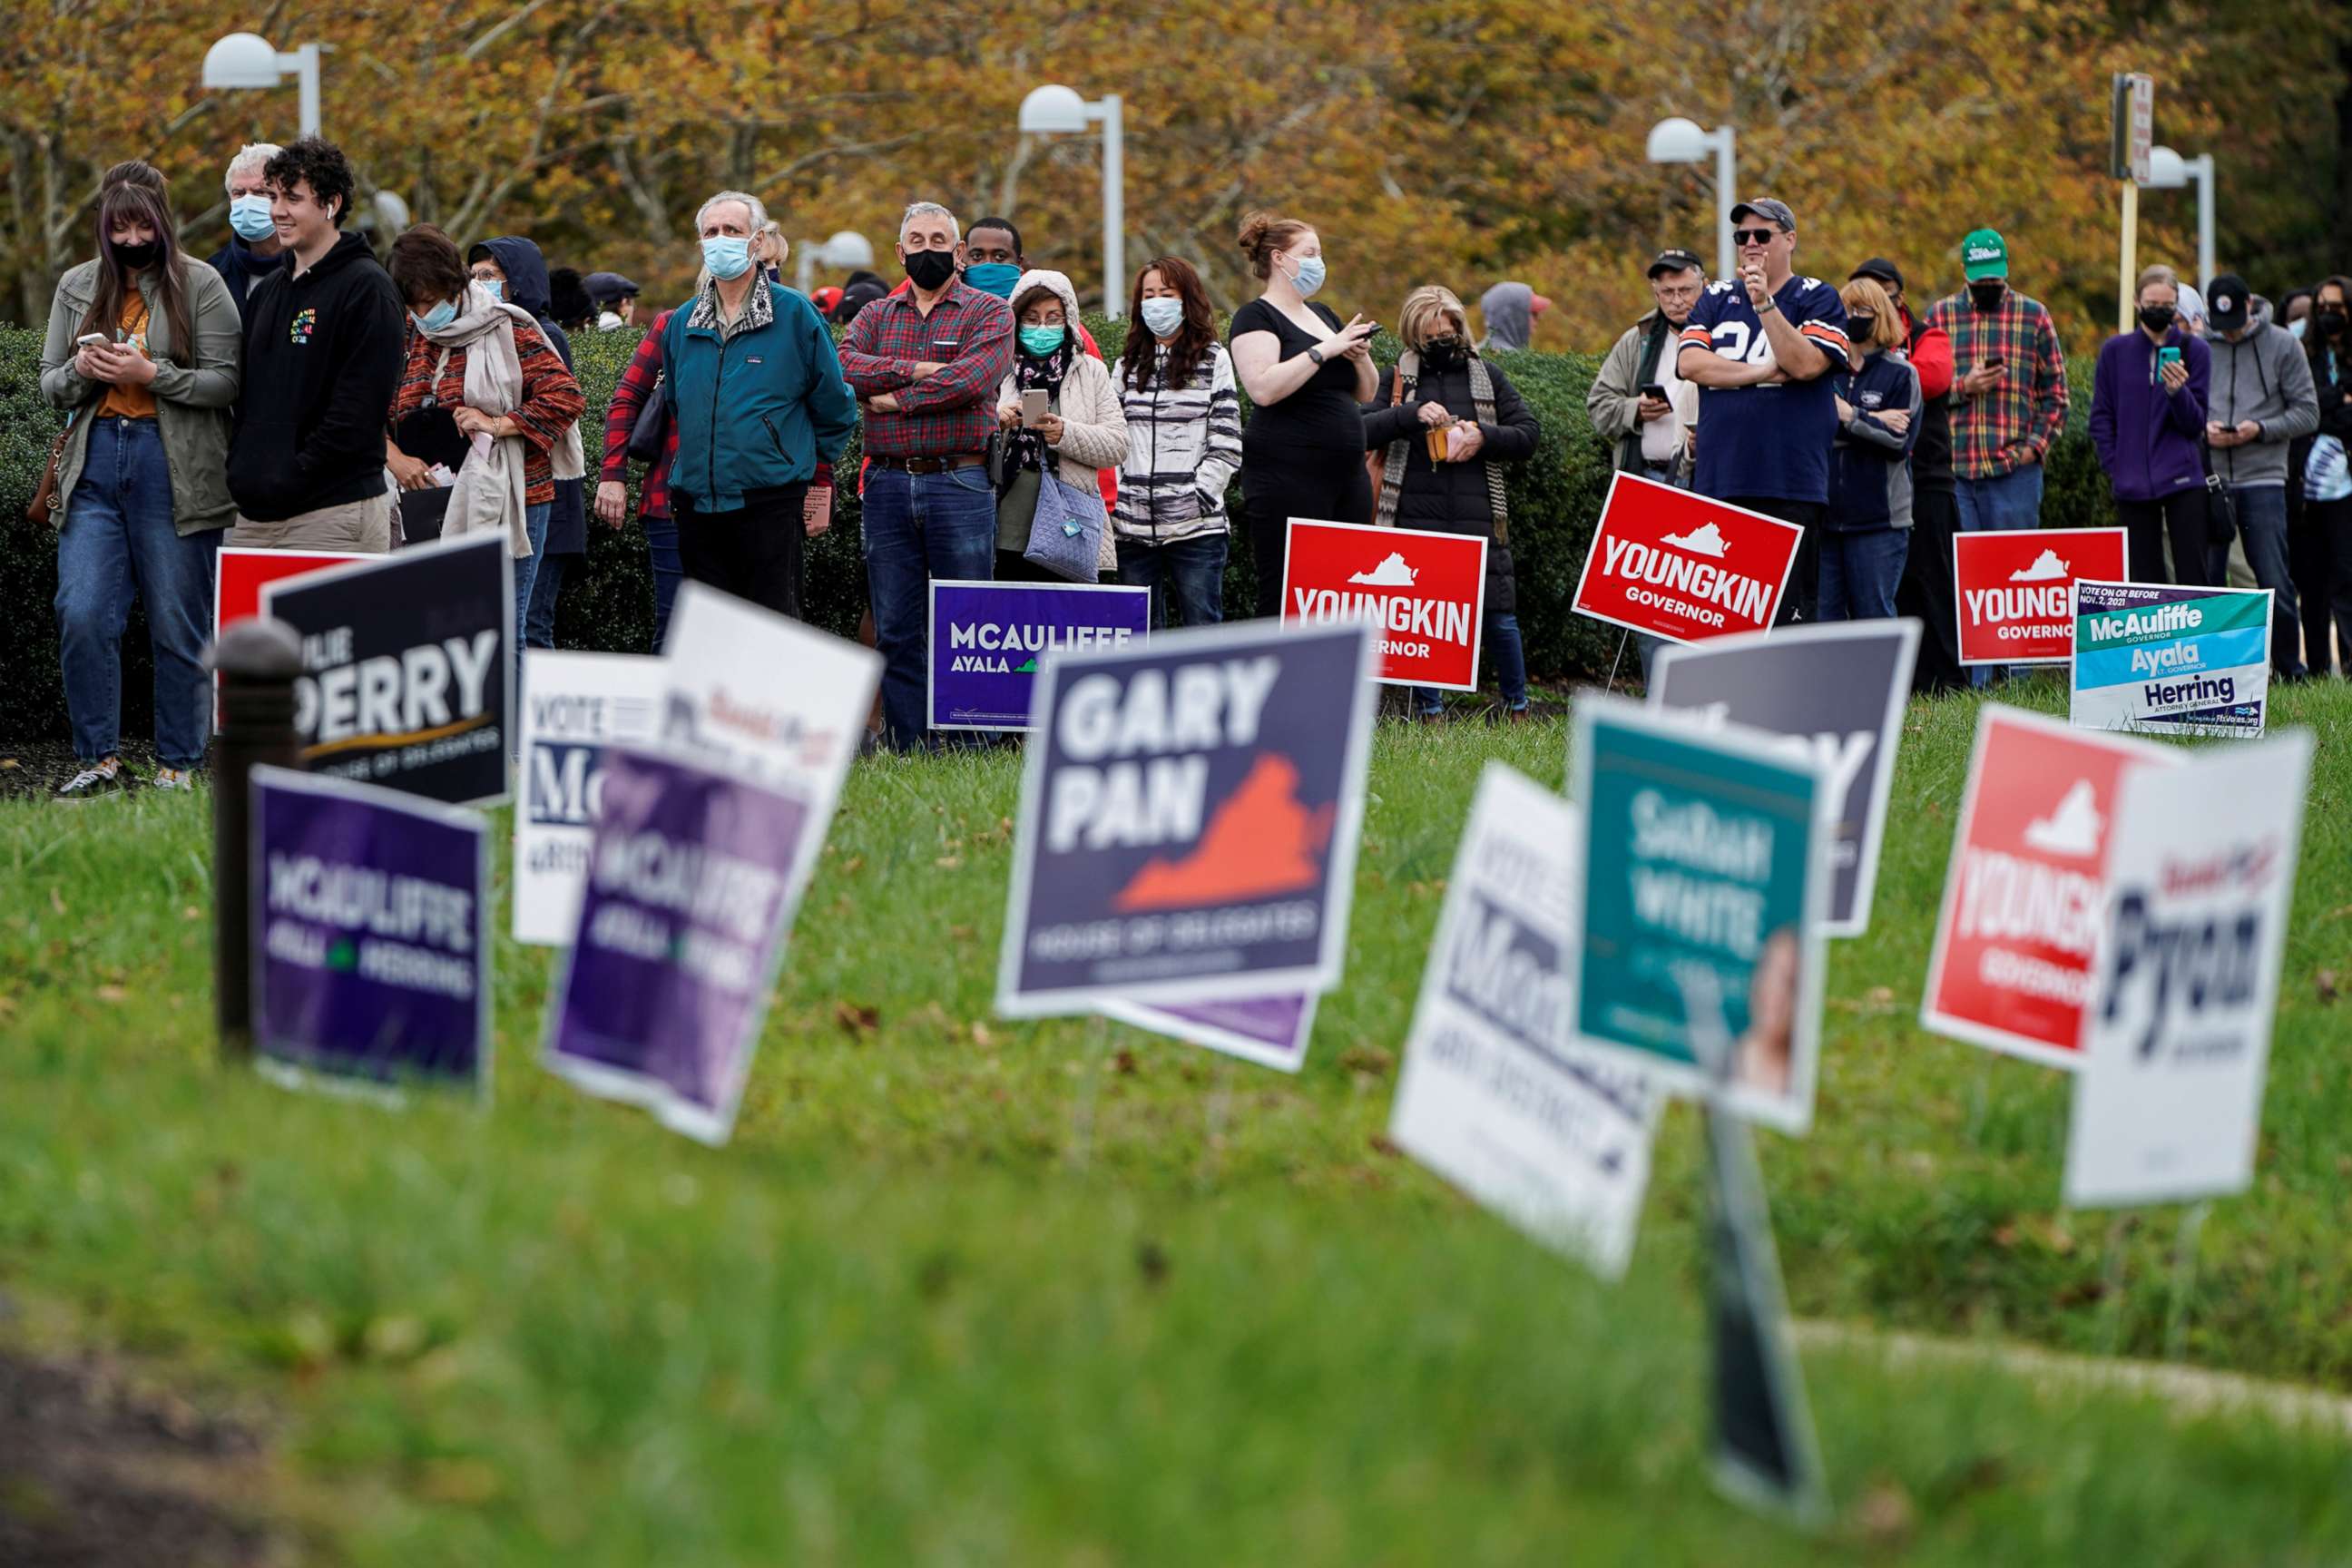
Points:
(2148, 423)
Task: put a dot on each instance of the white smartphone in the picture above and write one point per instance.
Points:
(92, 341)
(1033, 407)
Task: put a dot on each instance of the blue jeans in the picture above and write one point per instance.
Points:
(1860, 570)
(526, 578)
(1510, 668)
(117, 540)
(917, 527)
(1191, 570)
(661, 553)
(2262, 524)
(546, 583)
(2001, 505)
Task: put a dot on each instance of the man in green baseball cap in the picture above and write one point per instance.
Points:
(2009, 392)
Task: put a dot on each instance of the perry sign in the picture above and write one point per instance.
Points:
(1684, 567)
(2016, 590)
(2027, 886)
(1426, 592)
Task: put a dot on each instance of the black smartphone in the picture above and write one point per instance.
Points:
(1654, 389)
(1993, 362)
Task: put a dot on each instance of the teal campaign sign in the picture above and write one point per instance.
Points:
(1705, 849)
(2157, 659)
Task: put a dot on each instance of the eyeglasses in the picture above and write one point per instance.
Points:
(1754, 236)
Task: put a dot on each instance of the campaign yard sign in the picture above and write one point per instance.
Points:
(1836, 691)
(1701, 850)
(1189, 817)
(987, 637)
(370, 940)
(2169, 1103)
(2160, 660)
(1495, 1096)
(693, 876)
(1271, 1031)
(1684, 567)
(2016, 589)
(2012, 965)
(407, 667)
(573, 706)
(1425, 592)
(238, 573)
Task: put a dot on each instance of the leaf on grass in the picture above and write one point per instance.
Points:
(1382, 1144)
(1124, 1062)
(2324, 979)
(462, 1482)
(982, 1038)
(7, 762)
(56, 902)
(113, 995)
(1152, 1262)
(1886, 1516)
(948, 862)
(856, 1018)
(1371, 1060)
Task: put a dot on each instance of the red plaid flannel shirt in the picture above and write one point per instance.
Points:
(2000, 431)
(636, 384)
(551, 400)
(952, 412)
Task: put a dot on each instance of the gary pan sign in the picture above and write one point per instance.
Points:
(1424, 592)
(2012, 965)
(1189, 816)
(408, 667)
(575, 705)
(987, 640)
(1683, 567)
(2016, 589)
(371, 934)
(2171, 661)
(1835, 692)
(1271, 1031)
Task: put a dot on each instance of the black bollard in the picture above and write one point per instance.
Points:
(257, 660)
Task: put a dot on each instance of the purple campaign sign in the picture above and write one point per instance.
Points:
(988, 638)
(690, 890)
(370, 937)
(1271, 1031)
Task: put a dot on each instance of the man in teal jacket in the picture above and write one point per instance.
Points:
(761, 409)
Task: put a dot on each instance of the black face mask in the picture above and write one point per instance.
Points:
(2329, 323)
(2158, 318)
(139, 257)
(1439, 353)
(1988, 296)
(930, 269)
(1858, 329)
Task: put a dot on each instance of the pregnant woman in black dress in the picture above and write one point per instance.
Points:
(1307, 378)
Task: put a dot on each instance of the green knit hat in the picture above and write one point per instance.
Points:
(1984, 254)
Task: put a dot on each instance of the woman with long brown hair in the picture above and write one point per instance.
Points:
(1183, 446)
(141, 351)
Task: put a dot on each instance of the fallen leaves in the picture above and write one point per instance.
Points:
(2325, 982)
(857, 1019)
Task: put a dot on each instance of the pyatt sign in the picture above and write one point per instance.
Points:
(1683, 567)
(1422, 591)
(988, 637)
(575, 705)
(1188, 824)
(2016, 590)
(2171, 661)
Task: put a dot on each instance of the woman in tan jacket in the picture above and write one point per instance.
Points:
(1083, 428)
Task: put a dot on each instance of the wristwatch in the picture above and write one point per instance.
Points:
(1314, 354)
(1768, 307)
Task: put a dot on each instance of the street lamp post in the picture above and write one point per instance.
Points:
(847, 247)
(247, 60)
(1681, 141)
(1059, 110)
(2169, 171)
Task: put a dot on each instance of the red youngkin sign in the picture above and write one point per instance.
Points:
(2016, 590)
(1425, 591)
(1682, 566)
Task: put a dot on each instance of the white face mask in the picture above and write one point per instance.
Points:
(1163, 316)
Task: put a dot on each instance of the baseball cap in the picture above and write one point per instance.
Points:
(1984, 254)
(2228, 305)
(2192, 304)
(1538, 304)
(1879, 267)
(606, 287)
(1770, 209)
(1675, 260)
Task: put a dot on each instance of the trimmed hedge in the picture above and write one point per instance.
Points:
(607, 605)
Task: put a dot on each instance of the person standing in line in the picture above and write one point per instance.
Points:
(1308, 378)
(1643, 424)
(141, 349)
(1082, 431)
(1926, 591)
(925, 365)
(1878, 406)
(615, 298)
(1510, 311)
(1441, 383)
(253, 251)
(2149, 396)
(2262, 400)
(2328, 480)
(325, 340)
(638, 379)
(1183, 447)
(1762, 348)
(515, 271)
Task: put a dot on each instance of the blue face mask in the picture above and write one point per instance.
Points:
(249, 216)
(1309, 278)
(1163, 316)
(1042, 340)
(728, 256)
(440, 316)
(995, 278)
(497, 286)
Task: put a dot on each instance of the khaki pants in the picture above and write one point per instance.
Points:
(364, 527)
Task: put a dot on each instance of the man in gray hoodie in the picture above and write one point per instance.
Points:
(2260, 399)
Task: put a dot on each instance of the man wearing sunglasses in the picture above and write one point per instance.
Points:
(1760, 347)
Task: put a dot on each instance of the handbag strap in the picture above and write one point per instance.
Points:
(1408, 369)
(1482, 398)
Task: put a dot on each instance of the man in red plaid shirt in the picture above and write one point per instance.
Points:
(925, 365)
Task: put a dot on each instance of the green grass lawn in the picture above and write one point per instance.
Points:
(894, 1323)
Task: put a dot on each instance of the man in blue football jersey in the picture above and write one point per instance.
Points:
(1760, 347)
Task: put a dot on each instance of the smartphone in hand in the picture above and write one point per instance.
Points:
(1033, 407)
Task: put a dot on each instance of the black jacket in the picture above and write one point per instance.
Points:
(1451, 497)
(243, 272)
(323, 354)
(528, 286)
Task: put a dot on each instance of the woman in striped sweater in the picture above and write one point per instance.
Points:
(1183, 446)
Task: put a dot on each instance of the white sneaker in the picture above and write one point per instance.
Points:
(92, 783)
(180, 779)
